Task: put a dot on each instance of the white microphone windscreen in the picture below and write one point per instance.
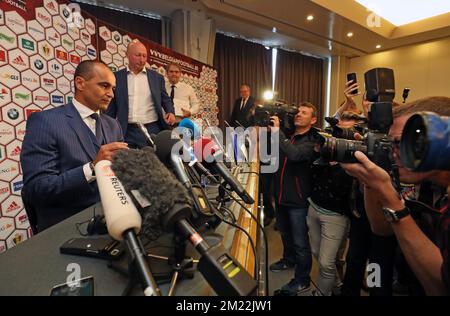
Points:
(120, 212)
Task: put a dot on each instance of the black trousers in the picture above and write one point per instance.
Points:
(365, 246)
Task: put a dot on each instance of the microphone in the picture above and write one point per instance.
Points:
(169, 155)
(213, 158)
(165, 151)
(165, 205)
(193, 128)
(124, 222)
(144, 131)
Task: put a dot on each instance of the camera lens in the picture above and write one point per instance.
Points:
(341, 150)
(425, 142)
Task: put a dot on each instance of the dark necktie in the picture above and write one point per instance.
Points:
(242, 103)
(98, 127)
(172, 92)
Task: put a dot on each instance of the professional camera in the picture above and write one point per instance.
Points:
(286, 113)
(345, 133)
(380, 89)
(425, 143)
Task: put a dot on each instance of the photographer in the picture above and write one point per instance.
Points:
(328, 212)
(386, 210)
(293, 182)
(349, 104)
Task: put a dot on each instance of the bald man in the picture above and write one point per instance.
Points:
(140, 97)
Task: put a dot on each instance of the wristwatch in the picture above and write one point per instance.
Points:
(91, 165)
(394, 216)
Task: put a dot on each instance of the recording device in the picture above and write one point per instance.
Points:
(124, 223)
(352, 77)
(405, 94)
(191, 128)
(286, 113)
(101, 248)
(212, 157)
(380, 90)
(425, 143)
(81, 287)
(204, 214)
(164, 204)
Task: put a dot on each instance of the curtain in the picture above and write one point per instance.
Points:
(238, 62)
(143, 26)
(300, 78)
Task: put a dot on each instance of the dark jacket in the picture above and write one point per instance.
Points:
(332, 188)
(118, 108)
(293, 180)
(56, 146)
(242, 115)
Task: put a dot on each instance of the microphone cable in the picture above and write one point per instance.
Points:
(252, 244)
(261, 228)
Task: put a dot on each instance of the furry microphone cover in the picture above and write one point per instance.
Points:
(142, 171)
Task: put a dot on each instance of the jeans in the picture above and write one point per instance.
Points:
(326, 233)
(292, 226)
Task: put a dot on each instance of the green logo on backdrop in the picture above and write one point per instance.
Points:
(65, 41)
(22, 96)
(9, 39)
(27, 44)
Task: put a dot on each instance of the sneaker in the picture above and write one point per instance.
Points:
(315, 293)
(280, 265)
(295, 288)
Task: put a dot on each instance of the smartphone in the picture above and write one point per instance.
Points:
(81, 287)
(101, 247)
(352, 77)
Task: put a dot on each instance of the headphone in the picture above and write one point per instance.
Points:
(97, 226)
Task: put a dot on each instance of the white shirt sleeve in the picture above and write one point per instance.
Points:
(193, 101)
(88, 173)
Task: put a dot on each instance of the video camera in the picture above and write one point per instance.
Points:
(286, 113)
(380, 89)
(425, 143)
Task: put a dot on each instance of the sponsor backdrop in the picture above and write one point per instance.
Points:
(41, 43)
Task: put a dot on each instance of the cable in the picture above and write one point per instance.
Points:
(259, 226)
(78, 225)
(261, 229)
(229, 212)
(252, 244)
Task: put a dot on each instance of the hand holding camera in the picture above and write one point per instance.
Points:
(274, 121)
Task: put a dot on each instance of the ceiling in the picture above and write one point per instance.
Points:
(325, 35)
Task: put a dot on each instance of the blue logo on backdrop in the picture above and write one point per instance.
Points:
(17, 186)
(57, 99)
(91, 52)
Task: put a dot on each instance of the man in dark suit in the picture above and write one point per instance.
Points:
(242, 108)
(140, 97)
(62, 146)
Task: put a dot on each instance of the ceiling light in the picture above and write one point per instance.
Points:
(349, 34)
(310, 17)
(406, 11)
(378, 46)
(274, 29)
